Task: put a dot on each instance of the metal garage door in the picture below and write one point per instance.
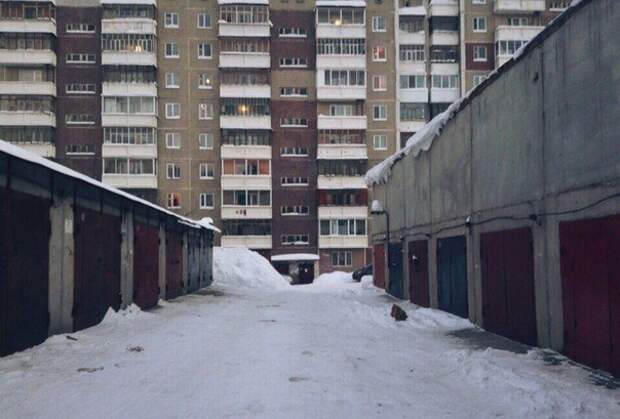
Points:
(24, 271)
(378, 265)
(396, 270)
(97, 266)
(418, 273)
(508, 296)
(145, 265)
(590, 266)
(452, 275)
(193, 261)
(174, 264)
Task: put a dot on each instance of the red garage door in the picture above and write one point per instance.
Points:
(378, 266)
(174, 264)
(508, 297)
(97, 266)
(24, 270)
(418, 273)
(145, 265)
(590, 266)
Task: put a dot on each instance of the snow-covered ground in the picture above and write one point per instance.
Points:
(252, 346)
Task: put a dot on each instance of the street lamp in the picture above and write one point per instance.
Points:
(377, 209)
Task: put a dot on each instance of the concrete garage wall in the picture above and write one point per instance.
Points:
(535, 145)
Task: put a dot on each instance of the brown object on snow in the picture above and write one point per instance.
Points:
(398, 313)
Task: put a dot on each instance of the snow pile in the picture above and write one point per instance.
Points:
(431, 319)
(117, 317)
(241, 267)
(334, 279)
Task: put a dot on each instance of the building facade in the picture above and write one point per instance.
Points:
(263, 115)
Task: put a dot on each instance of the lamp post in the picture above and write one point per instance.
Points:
(377, 209)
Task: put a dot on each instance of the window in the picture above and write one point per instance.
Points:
(80, 28)
(412, 112)
(173, 111)
(297, 62)
(379, 24)
(173, 200)
(480, 24)
(173, 171)
(379, 112)
(172, 81)
(517, 21)
(205, 141)
(173, 140)
(79, 119)
(205, 111)
(340, 16)
(75, 58)
(244, 107)
(126, 166)
(292, 32)
(342, 227)
(411, 24)
(241, 13)
(129, 135)
(379, 83)
(444, 54)
(243, 198)
(204, 21)
(478, 78)
(341, 46)
(411, 53)
(293, 151)
(480, 53)
(204, 51)
(295, 210)
(293, 122)
(79, 149)
(242, 167)
(206, 200)
(295, 240)
(341, 110)
(171, 20)
(413, 82)
(172, 50)
(379, 142)
(342, 258)
(293, 181)
(344, 78)
(128, 42)
(244, 137)
(81, 89)
(379, 53)
(206, 170)
(204, 81)
(478, 1)
(508, 47)
(445, 81)
(132, 105)
(341, 137)
(294, 91)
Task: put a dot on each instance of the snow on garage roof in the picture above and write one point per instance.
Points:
(20, 153)
(291, 257)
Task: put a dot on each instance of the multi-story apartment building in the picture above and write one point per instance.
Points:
(263, 115)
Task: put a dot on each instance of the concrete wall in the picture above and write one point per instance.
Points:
(541, 139)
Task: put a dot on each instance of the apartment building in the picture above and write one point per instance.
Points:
(263, 115)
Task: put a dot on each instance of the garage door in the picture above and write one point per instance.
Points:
(174, 264)
(145, 265)
(396, 270)
(452, 275)
(378, 265)
(508, 299)
(590, 267)
(418, 273)
(24, 270)
(97, 266)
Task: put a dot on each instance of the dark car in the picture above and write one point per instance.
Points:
(366, 270)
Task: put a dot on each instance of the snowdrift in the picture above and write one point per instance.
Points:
(240, 267)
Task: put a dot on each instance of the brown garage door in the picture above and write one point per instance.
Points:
(378, 265)
(590, 266)
(174, 264)
(508, 297)
(24, 282)
(418, 273)
(145, 265)
(97, 266)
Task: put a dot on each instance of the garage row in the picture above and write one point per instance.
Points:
(71, 248)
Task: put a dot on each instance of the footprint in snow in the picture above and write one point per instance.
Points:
(298, 379)
(90, 370)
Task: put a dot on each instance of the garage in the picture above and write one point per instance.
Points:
(418, 273)
(145, 264)
(24, 281)
(174, 263)
(97, 280)
(508, 295)
(590, 269)
(452, 275)
(378, 266)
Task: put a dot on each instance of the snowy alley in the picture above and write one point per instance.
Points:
(252, 346)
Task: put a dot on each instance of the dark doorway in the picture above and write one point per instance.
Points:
(395, 271)
(306, 273)
(145, 265)
(418, 273)
(452, 275)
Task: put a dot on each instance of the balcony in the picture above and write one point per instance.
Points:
(245, 91)
(231, 182)
(129, 150)
(129, 89)
(28, 26)
(237, 30)
(519, 6)
(28, 56)
(47, 150)
(516, 33)
(341, 182)
(246, 152)
(445, 8)
(343, 242)
(251, 242)
(27, 88)
(412, 67)
(28, 119)
(245, 122)
(342, 152)
(354, 122)
(128, 120)
(129, 25)
(129, 58)
(410, 126)
(341, 61)
(413, 95)
(250, 213)
(445, 38)
(412, 11)
(341, 92)
(238, 60)
(444, 95)
(408, 38)
(343, 212)
(131, 181)
(445, 68)
(324, 30)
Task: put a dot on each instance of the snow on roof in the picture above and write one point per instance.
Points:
(423, 139)
(294, 257)
(22, 154)
(340, 3)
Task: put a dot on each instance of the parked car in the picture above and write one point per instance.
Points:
(358, 274)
